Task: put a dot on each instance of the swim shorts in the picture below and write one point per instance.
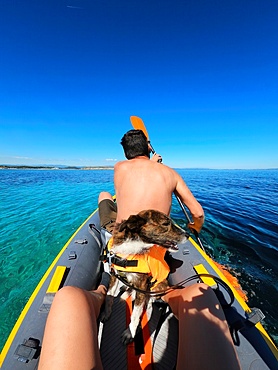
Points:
(107, 214)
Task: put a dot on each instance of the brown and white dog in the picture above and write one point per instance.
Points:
(148, 234)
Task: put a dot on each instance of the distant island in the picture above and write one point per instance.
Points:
(42, 167)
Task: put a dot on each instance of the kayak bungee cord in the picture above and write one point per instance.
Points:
(180, 285)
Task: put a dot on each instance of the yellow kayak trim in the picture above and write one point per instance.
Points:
(56, 279)
(33, 296)
(243, 304)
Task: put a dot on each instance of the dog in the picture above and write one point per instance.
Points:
(142, 239)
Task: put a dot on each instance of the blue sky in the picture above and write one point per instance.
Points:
(203, 75)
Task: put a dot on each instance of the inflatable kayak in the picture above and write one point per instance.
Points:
(155, 346)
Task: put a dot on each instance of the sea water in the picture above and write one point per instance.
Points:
(41, 209)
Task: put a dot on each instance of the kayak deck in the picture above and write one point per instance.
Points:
(78, 264)
(155, 342)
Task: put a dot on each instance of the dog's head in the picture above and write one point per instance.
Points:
(149, 227)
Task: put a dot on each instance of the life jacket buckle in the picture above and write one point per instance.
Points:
(110, 258)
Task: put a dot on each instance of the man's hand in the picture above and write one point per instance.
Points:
(194, 227)
(156, 158)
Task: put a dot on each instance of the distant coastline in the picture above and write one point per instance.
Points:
(63, 167)
(23, 167)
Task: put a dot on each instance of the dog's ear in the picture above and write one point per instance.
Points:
(146, 214)
(132, 223)
(122, 225)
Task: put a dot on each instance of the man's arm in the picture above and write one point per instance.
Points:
(195, 208)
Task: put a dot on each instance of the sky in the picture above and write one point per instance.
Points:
(202, 74)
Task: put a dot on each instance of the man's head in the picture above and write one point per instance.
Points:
(135, 144)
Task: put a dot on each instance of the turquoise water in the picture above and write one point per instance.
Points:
(41, 209)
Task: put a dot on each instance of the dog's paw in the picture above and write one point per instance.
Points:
(127, 337)
(103, 316)
(106, 309)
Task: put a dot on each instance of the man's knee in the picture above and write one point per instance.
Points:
(104, 195)
(199, 290)
(68, 292)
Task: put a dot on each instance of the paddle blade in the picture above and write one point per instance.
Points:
(138, 124)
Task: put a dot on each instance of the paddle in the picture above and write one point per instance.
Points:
(138, 124)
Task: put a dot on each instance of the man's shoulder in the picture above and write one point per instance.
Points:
(121, 164)
(166, 168)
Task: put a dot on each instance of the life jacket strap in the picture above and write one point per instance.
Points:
(122, 262)
(113, 259)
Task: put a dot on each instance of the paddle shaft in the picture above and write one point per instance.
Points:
(195, 232)
(138, 124)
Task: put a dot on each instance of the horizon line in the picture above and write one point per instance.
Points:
(53, 166)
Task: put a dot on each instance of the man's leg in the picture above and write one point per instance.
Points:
(107, 211)
(71, 334)
(204, 337)
(104, 195)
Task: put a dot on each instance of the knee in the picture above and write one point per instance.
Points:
(67, 293)
(104, 195)
(200, 290)
(203, 298)
(70, 301)
(70, 296)
(195, 293)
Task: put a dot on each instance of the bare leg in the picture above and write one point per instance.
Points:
(107, 211)
(104, 195)
(204, 336)
(71, 335)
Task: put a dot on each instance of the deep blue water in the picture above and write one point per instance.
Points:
(41, 209)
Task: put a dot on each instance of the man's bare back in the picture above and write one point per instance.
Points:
(144, 184)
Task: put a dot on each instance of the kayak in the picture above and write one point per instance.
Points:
(79, 264)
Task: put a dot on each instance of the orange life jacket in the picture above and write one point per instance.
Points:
(151, 263)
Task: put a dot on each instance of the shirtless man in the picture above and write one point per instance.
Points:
(141, 183)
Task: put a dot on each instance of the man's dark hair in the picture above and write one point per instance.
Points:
(135, 144)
